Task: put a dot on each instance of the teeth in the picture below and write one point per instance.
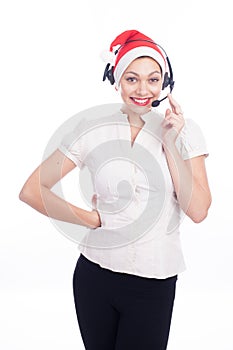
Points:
(141, 101)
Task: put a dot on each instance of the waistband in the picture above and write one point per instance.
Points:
(95, 267)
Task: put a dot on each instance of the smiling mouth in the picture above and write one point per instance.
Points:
(140, 101)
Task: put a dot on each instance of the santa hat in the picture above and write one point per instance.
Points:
(130, 45)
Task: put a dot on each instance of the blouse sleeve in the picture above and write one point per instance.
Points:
(191, 142)
(72, 144)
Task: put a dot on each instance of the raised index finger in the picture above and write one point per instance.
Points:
(174, 105)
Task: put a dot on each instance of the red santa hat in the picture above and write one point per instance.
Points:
(130, 45)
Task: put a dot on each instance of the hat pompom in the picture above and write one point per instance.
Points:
(108, 57)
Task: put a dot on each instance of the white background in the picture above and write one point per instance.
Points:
(50, 70)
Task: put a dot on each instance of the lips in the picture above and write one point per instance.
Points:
(141, 101)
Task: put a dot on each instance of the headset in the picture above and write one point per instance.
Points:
(168, 76)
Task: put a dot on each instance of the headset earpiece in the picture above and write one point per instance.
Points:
(108, 73)
(166, 81)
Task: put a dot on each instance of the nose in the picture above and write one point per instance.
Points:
(142, 88)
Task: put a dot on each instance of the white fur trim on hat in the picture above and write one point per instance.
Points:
(132, 55)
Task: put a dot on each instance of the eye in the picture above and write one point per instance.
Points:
(154, 80)
(131, 79)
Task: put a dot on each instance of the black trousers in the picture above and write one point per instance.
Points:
(119, 311)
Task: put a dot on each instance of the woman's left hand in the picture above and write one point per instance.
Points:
(173, 122)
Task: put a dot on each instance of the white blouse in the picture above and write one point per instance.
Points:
(140, 215)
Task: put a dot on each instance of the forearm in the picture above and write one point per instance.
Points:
(193, 198)
(48, 203)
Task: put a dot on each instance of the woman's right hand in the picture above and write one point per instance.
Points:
(95, 214)
(95, 219)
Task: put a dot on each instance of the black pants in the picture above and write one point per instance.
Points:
(119, 311)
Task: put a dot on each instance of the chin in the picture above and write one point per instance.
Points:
(140, 109)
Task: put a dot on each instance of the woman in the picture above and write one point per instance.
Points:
(147, 169)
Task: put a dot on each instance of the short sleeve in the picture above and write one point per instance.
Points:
(191, 141)
(72, 144)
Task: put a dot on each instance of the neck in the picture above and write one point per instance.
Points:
(134, 118)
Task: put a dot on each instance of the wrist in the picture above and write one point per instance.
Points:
(94, 219)
(169, 145)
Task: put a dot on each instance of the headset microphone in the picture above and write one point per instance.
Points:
(156, 103)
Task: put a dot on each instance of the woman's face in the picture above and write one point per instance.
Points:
(141, 84)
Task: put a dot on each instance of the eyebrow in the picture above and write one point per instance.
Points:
(131, 72)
